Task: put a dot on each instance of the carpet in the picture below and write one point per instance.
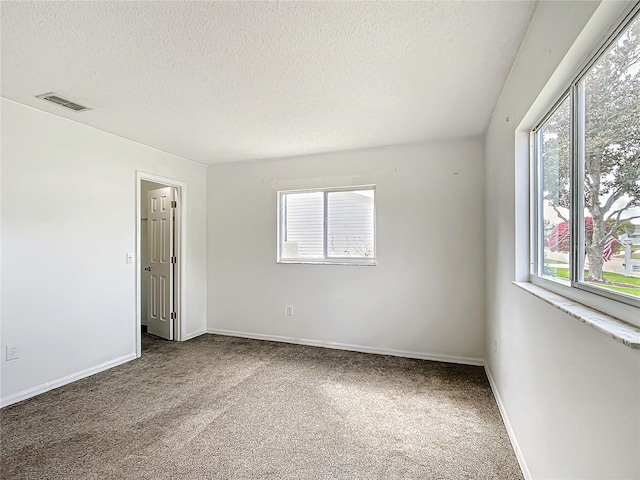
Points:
(218, 407)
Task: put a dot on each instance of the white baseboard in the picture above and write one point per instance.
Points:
(45, 387)
(193, 335)
(507, 424)
(353, 348)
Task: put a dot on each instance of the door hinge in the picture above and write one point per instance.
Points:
(174, 259)
(174, 315)
(174, 204)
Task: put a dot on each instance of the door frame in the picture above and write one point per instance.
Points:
(179, 327)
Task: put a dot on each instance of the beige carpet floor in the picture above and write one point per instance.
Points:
(228, 408)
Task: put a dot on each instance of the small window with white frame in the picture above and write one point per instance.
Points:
(331, 225)
(586, 176)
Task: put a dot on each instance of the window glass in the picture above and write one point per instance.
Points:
(327, 226)
(350, 223)
(586, 185)
(610, 214)
(303, 215)
(554, 143)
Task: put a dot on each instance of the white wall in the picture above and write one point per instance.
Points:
(571, 394)
(425, 296)
(68, 218)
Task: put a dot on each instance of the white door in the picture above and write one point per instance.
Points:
(162, 261)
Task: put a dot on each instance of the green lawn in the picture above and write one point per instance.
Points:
(612, 277)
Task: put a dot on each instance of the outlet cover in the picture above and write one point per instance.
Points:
(290, 310)
(12, 352)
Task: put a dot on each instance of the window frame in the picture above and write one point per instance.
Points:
(537, 192)
(326, 259)
(577, 144)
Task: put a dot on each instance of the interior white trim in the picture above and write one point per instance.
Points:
(350, 347)
(507, 424)
(181, 225)
(193, 335)
(45, 387)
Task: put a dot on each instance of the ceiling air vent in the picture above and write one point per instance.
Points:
(63, 102)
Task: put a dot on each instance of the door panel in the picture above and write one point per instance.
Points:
(161, 273)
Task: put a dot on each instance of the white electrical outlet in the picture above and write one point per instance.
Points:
(12, 352)
(290, 310)
(495, 346)
(129, 257)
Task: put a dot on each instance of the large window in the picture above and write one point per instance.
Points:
(327, 226)
(586, 187)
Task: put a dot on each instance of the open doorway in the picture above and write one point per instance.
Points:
(160, 209)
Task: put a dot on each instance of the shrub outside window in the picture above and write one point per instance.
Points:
(327, 226)
(586, 189)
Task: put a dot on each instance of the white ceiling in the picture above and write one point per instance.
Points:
(227, 81)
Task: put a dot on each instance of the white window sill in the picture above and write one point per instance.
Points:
(617, 329)
(324, 262)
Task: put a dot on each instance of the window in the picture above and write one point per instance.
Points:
(586, 182)
(327, 226)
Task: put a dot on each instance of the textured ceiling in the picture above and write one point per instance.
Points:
(227, 81)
